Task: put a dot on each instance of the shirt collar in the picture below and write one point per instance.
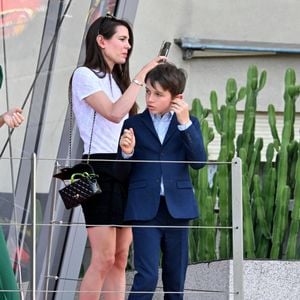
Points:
(157, 117)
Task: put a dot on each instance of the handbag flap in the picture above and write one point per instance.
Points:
(67, 172)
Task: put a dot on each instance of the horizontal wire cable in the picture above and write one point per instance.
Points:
(116, 225)
(157, 287)
(123, 160)
(187, 291)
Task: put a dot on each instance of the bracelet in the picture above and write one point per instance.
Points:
(137, 82)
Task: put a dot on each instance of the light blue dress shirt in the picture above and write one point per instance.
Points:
(161, 125)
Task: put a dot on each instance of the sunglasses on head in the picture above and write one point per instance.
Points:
(110, 16)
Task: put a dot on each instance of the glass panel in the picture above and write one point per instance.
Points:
(41, 44)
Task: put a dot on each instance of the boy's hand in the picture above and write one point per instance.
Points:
(181, 109)
(127, 141)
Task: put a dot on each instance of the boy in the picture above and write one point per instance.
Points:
(160, 193)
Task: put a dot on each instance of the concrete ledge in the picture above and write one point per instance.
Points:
(263, 280)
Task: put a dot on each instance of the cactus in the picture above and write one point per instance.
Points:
(269, 229)
(295, 216)
(249, 240)
(260, 210)
(223, 182)
(250, 155)
(281, 203)
(268, 196)
(252, 89)
(255, 160)
(205, 246)
(203, 240)
(225, 118)
(272, 123)
(280, 222)
(225, 123)
(291, 93)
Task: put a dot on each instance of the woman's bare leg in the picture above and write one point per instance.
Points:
(103, 246)
(115, 279)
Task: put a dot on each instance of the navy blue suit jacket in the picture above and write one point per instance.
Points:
(145, 177)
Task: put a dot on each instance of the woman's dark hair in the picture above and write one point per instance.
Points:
(169, 77)
(106, 26)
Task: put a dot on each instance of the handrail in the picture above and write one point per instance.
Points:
(236, 291)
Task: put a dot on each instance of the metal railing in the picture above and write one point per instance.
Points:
(237, 291)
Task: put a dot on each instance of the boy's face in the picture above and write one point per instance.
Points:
(158, 100)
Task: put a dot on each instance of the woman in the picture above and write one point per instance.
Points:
(103, 86)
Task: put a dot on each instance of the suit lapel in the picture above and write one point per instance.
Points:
(172, 128)
(146, 119)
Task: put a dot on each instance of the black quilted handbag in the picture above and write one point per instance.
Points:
(82, 187)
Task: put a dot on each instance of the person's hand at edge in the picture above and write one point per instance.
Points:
(13, 118)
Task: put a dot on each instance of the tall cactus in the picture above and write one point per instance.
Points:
(202, 241)
(295, 216)
(249, 151)
(261, 225)
(249, 240)
(225, 123)
(291, 93)
(268, 196)
(254, 85)
(272, 123)
(283, 193)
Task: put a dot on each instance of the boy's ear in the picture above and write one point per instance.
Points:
(179, 96)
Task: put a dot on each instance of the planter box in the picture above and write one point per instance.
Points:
(263, 280)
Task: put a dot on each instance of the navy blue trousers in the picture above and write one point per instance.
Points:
(152, 246)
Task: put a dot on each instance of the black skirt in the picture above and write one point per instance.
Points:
(108, 207)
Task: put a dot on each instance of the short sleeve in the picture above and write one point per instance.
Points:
(85, 83)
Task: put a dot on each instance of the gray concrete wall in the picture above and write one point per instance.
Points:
(263, 280)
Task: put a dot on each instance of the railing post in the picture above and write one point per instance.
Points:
(33, 216)
(237, 228)
(51, 232)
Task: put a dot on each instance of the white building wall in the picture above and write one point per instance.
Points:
(273, 21)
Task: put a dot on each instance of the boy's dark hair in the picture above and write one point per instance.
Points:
(169, 77)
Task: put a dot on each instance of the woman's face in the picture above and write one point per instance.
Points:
(115, 49)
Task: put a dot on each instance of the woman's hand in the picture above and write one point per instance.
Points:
(149, 66)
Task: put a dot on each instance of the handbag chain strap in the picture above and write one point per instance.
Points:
(71, 124)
